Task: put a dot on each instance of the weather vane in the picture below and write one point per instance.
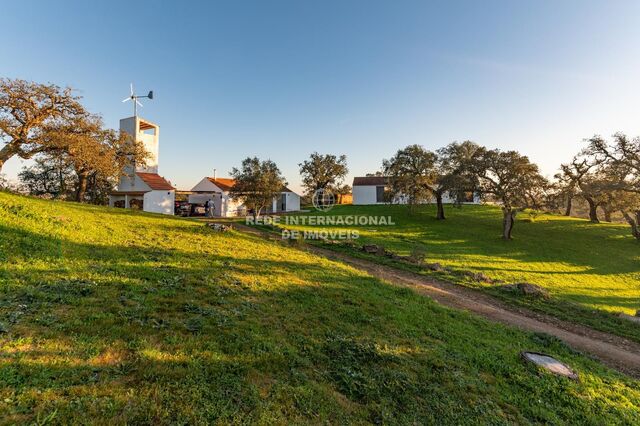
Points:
(134, 98)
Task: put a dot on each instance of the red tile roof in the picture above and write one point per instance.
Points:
(226, 184)
(155, 181)
(370, 180)
(223, 183)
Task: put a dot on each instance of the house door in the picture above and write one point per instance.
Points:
(283, 202)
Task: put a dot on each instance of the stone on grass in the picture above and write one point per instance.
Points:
(478, 277)
(632, 318)
(550, 364)
(373, 249)
(436, 267)
(527, 289)
(220, 227)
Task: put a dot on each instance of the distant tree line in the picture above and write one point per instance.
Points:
(76, 157)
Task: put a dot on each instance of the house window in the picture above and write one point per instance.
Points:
(379, 194)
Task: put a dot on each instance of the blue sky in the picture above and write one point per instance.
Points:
(281, 79)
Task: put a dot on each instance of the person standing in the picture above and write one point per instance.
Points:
(207, 208)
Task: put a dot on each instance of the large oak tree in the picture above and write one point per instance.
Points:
(621, 159)
(257, 183)
(411, 174)
(323, 172)
(511, 180)
(454, 173)
(26, 108)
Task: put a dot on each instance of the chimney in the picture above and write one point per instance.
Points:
(214, 174)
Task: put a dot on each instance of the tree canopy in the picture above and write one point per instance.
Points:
(323, 172)
(26, 109)
(412, 174)
(257, 183)
(510, 179)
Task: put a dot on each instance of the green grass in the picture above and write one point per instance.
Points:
(113, 316)
(587, 268)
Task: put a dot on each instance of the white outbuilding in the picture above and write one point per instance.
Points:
(369, 190)
(141, 186)
(218, 190)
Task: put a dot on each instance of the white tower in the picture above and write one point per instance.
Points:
(147, 133)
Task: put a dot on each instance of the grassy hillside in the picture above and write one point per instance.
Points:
(597, 266)
(114, 316)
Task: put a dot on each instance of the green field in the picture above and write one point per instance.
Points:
(113, 316)
(591, 271)
(597, 266)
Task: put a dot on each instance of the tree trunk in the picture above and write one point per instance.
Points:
(5, 154)
(567, 212)
(82, 187)
(607, 214)
(593, 210)
(440, 214)
(509, 218)
(633, 222)
(256, 213)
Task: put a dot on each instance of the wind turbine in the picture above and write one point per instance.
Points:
(134, 98)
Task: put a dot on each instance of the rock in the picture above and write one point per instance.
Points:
(527, 289)
(436, 267)
(373, 249)
(479, 277)
(220, 227)
(633, 318)
(550, 364)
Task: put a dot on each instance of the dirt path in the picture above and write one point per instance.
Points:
(614, 351)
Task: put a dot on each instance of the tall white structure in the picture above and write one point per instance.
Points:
(141, 186)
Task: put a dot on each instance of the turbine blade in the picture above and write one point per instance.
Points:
(126, 99)
(131, 86)
(139, 103)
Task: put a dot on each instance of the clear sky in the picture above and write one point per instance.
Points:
(281, 79)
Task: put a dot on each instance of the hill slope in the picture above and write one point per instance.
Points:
(597, 266)
(110, 315)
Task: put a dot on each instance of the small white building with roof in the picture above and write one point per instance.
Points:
(141, 186)
(369, 190)
(217, 190)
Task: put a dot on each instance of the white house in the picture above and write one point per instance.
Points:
(142, 186)
(217, 190)
(371, 190)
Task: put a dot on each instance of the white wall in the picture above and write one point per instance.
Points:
(160, 202)
(363, 195)
(293, 201)
(131, 125)
(205, 185)
(366, 195)
(228, 206)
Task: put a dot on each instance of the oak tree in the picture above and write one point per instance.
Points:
(323, 172)
(257, 183)
(511, 180)
(411, 174)
(25, 109)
